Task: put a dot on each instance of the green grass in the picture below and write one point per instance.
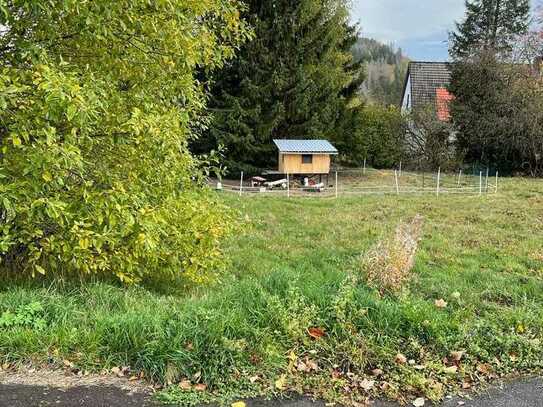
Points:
(288, 272)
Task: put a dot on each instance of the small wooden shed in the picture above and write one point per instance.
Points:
(305, 157)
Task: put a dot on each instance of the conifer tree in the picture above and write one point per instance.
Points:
(490, 25)
(295, 79)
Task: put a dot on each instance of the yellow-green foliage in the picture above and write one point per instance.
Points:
(97, 102)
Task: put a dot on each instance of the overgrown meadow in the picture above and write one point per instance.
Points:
(294, 311)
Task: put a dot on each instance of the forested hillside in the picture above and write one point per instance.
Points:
(385, 70)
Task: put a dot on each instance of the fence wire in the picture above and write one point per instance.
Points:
(353, 182)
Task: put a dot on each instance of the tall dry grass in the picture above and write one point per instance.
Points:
(387, 266)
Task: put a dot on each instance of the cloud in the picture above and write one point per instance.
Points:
(397, 20)
(420, 27)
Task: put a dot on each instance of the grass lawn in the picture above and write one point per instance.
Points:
(294, 312)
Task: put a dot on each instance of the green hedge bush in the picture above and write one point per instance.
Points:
(97, 103)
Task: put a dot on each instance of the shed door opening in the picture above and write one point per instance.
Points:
(307, 159)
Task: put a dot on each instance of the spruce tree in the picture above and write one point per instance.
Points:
(490, 25)
(295, 79)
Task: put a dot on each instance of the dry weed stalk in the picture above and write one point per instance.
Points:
(388, 265)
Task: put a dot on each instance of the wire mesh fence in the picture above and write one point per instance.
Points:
(367, 181)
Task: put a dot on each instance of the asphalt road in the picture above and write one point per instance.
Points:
(525, 393)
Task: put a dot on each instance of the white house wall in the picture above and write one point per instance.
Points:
(407, 99)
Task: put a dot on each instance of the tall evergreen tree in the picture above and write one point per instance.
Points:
(490, 25)
(296, 79)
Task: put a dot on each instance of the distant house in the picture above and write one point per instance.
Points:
(305, 157)
(426, 84)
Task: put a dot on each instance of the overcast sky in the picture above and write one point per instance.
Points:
(419, 27)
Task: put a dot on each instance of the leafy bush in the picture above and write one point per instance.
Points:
(376, 133)
(95, 173)
(30, 315)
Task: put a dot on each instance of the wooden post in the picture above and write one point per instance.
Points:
(336, 186)
(241, 184)
(496, 190)
(459, 176)
(486, 182)
(364, 166)
(288, 185)
(396, 181)
(400, 172)
(480, 182)
(438, 181)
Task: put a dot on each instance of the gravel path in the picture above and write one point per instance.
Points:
(525, 393)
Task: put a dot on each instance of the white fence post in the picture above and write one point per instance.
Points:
(496, 190)
(400, 172)
(336, 186)
(459, 176)
(396, 181)
(438, 181)
(288, 186)
(364, 172)
(480, 182)
(486, 182)
(241, 184)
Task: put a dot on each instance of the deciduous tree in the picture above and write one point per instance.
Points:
(97, 103)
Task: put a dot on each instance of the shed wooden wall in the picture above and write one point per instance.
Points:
(292, 164)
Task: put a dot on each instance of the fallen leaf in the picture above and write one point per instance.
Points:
(116, 370)
(377, 372)
(316, 333)
(253, 379)
(302, 367)
(419, 367)
(400, 359)
(281, 382)
(441, 303)
(457, 356)
(451, 369)
(132, 378)
(312, 365)
(484, 368)
(67, 363)
(466, 385)
(200, 387)
(385, 386)
(419, 402)
(185, 385)
(238, 404)
(367, 384)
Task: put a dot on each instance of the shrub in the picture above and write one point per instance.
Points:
(95, 172)
(388, 265)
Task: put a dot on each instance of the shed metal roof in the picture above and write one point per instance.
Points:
(305, 146)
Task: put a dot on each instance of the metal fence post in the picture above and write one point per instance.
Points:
(480, 182)
(336, 186)
(396, 181)
(438, 181)
(496, 190)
